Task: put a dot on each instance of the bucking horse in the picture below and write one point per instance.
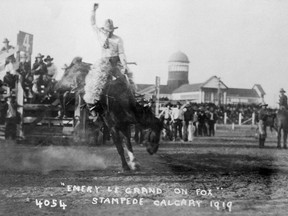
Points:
(121, 110)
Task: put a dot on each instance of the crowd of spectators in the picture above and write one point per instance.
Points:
(204, 116)
(37, 78)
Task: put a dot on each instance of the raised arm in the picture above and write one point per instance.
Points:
(93, 19)
(100, 34)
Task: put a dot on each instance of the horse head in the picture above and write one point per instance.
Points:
(73, 75)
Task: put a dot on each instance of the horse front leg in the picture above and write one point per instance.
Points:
(118, 142)
(133, 164)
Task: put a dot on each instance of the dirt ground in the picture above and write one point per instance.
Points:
(181, 179)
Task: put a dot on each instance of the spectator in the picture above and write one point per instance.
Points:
(11, 118)
(51, 68)
(282, 99)
(195, 121)
(6, 46)
(262, 116)
(201, 122)
(10, 76)
(166, 115)
(211, 121)
(25, 75)
(39, 69)
(188, 116)
(177, 118)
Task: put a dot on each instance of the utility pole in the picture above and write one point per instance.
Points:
(219, 91)
(157, 88)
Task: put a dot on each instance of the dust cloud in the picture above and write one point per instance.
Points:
(46, 159)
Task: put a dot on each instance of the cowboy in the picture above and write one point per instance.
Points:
(7, 46)
(211, 121)
(10, 76)
(177, 119)
(11, 118)
(282, 100)
(51, 68)
(25, 74)
(38, 70)
(112, 63)
(262, 117)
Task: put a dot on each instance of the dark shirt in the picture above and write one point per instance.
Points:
(263, 114)
(39, 68)
(188, 115)
(201, 117)
(24, 69)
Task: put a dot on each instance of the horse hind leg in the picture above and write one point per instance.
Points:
(133, 163)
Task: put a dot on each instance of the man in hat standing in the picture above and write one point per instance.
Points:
(282, 100)
(113, 62)
(39, 69)
(11, 118)
(51, 68)
(262, 124)
(6, 46)
(177, 119)
(166, 116)
(10, 76)
(25, 77)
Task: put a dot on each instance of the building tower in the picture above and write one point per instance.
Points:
(178, 70)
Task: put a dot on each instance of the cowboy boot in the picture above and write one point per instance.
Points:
(95, 108)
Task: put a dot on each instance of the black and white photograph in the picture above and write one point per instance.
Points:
(141, 107)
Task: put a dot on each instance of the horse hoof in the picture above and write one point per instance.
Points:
(126, 168)
(134, 166)
(279, 147)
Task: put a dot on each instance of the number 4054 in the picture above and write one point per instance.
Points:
(51, 203)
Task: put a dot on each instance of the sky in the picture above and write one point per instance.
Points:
(244, 42)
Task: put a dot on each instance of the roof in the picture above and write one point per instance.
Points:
(165, 89)
(215, 78)
(188, 88)
(146, 88)
(179, 57)
(242, 92)
(259, 87)
(141, 87)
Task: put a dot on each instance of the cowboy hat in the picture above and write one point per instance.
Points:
(48, 58)
(282, 90)
(108, 25)
(39, 56)
(6, 40)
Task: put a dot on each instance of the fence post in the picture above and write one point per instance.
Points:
(253, 118)
(225, 118)
(240, 118)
